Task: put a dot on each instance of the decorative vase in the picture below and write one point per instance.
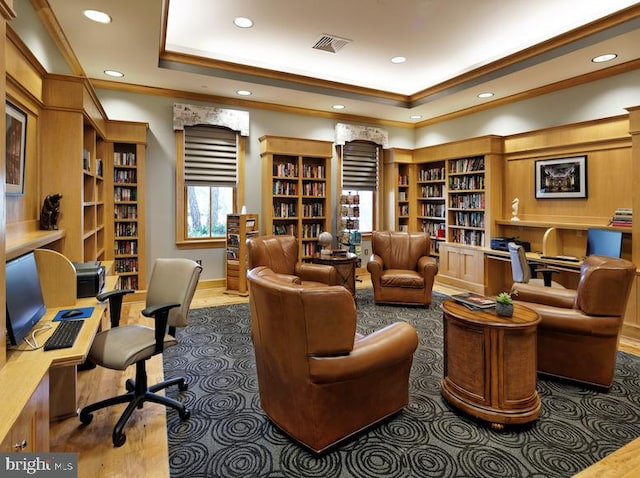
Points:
(504, 310)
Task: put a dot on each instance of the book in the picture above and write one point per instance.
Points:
(473, 300)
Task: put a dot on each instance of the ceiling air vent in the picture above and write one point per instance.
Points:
(330, 43)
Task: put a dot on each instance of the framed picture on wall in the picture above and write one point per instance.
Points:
(562, 178)
(16, 137)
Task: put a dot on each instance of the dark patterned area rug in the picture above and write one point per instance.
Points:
(229, 436)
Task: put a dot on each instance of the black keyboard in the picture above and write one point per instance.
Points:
(561, 258)
(64, 336)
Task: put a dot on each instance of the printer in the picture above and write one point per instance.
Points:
(90, 278)
(501, 243)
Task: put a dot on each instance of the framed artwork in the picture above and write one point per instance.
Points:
(562, 178)
(16, 137)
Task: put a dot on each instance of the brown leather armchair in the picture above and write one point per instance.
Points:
(319, 381)
(280, 254)
(579, 329)
(402, 272)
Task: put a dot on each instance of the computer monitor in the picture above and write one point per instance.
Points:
(25, 304)
(604, 242)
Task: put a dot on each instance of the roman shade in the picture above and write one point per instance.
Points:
(360, 166)
(210, 156)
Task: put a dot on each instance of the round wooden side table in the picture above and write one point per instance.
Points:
(344, 265)
(490, 363)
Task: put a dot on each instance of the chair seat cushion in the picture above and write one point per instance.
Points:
(119, 347)
(401, 278)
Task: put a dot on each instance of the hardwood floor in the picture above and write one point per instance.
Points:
(145, 452)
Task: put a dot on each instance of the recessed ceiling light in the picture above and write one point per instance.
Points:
(243, 92)
(114, 73)
(603, 58)
(338, 107)
(97, 16)
(398, 59)
(243, 22)
(485, 95)
(416, 116)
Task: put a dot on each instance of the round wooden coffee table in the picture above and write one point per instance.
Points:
(490, 363)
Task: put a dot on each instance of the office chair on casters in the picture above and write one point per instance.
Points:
(171, 287)
(525, 273)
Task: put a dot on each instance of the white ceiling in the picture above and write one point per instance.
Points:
(455, 49)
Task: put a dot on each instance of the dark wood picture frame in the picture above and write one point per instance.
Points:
(16, 144)
(561, 178)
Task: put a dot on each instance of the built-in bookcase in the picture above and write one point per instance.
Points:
(296, 195)
(432, 202)
(127, 227)
(466, 200)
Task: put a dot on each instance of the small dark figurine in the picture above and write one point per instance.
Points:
(50, 212)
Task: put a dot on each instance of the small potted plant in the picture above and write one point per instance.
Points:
(504, 304)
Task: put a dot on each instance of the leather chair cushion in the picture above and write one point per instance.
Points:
(138, 341)
(401, 278)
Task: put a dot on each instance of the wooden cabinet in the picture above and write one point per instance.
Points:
(431, 202)
(125, 183)
(93, 196)
(296, 190)
(30, 431)
(462, 266)
(240, 227)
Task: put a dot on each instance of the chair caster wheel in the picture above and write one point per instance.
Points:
(130, 385)
(185, 415)
(118, 440)
(85, 418)
(183, 386)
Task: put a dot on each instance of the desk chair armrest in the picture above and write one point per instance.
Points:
(160, 313)
(115, 303)
(546, 273)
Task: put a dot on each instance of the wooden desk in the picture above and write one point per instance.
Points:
(36, 385)
(498, 275)
(490, 363)
(344, 265)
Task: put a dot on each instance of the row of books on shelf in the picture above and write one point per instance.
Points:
(128, 282)
(121, 158)
(467, 201)
(86, 162)
(431, 174)
(432, 191)
(467, 165)
(289, 170)
(458, 183)
(126, 265)
(125, 194)
(126, 229)
(623, 217)
(126, 211)
(127, 176)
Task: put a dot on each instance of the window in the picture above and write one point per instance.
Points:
(360, 166)
(208, 175)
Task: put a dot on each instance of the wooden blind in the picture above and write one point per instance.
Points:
(210, 156)
(360, 166)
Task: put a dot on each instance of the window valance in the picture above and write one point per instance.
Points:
(191, 115)
(349, 132)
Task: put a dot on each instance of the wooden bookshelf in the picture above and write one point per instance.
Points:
(296, 191)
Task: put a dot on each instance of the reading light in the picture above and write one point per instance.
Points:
(243, 22)
(243, 92)
(97, 16)
(338, 107)
(603, 58)
(398, 59)
(485, 95)
(114, 73)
